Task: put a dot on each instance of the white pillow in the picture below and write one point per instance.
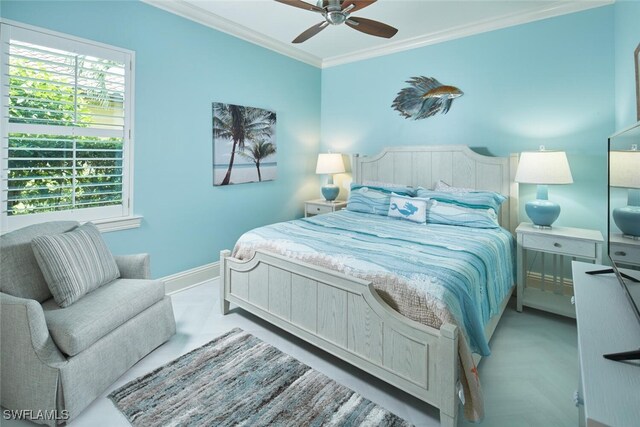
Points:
(446, 188)
(409, 208)
(371, 183)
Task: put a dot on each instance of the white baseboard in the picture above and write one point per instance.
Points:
(190, 278)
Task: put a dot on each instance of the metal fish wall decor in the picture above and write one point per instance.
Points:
(425, 97)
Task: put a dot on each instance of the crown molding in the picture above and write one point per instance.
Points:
(560, 8)
(201, 16)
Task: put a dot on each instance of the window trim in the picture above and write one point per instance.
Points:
(126, 219)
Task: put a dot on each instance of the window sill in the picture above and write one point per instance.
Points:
(117, 224)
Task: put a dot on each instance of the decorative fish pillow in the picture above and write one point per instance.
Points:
(370, 199)
(409, 208)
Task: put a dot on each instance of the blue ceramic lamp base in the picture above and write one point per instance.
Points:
(541, 211)
(330, 190)
(628, 218)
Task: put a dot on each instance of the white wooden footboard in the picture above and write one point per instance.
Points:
(345, 316)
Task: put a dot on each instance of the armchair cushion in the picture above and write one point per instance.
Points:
(74, 263)
(80, 325)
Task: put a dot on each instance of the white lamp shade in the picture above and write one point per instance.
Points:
(330, 163)
(544, 167)
(624, 169)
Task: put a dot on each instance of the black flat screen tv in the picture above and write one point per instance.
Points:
(624, 220)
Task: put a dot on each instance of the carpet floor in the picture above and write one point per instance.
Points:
(237, 379)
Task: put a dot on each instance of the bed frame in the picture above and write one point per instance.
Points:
(343, 315)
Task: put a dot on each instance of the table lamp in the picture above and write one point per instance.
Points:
(330, 163)
(543, 168)
(624, 172)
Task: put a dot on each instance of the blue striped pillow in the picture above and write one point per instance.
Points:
(74, 263)
(473, 199)
(453, 214)
(375, 200)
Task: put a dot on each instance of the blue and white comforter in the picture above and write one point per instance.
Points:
(429, 273)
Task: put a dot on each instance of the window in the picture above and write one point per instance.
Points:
(66, 128)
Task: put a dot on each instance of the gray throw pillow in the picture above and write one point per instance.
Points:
(74, 263)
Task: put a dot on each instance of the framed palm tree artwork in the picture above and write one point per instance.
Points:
(244, 144)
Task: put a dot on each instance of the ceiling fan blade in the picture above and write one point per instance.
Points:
(357, 4)
(302, 5)
(369, 26)
(306, 35)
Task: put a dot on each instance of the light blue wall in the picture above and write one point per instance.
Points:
(551, 82)
(181, 68)
(548, 82)
(627, 38)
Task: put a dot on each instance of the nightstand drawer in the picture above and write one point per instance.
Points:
(318, 209)
(561, 245)
(321, 206)
(624, 253)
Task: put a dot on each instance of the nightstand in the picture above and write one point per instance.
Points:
(321, 206)
(624, 251)
(558, 242)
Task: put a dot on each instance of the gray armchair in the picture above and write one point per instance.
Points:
(61, 359)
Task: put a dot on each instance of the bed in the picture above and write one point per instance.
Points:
(343, 313)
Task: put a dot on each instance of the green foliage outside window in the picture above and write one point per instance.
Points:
(41, 166)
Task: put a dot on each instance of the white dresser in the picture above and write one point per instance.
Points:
(610, 392)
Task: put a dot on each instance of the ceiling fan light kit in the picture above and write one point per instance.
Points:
(336, 18)
(338, 12)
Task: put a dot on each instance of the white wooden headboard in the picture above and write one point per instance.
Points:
(457, 165)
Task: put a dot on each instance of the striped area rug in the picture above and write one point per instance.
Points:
(237, 379)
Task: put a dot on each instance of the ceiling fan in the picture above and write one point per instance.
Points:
(336, 12)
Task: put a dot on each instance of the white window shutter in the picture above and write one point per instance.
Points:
(66, 122)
